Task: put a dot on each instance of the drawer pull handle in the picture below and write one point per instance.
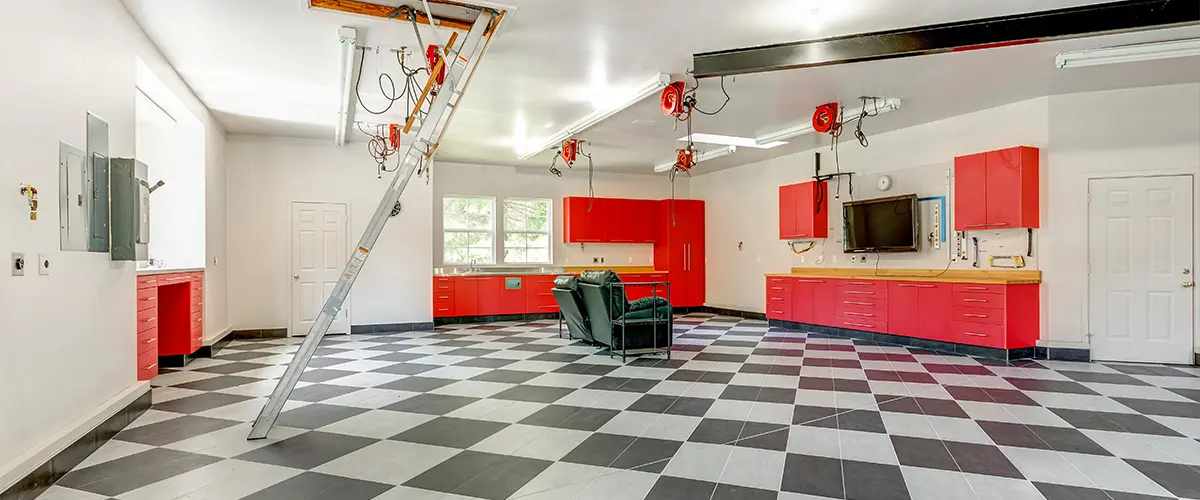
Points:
(150, 341)
(149, 320)
(914, 285)
(969, 315)
(856, 324)
(777, 299)
(151, 367)
(810, 281)
(975, 288)
(975, 300)
(777, 288)
(859, 283)
(974, 334)
(859, 314)
(151, 282)
(858, 303)
(852, 292)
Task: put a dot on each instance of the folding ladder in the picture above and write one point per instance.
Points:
(422, 148)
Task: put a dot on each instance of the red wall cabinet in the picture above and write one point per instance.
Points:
(609, 220)
(997, 190)
(804, 211)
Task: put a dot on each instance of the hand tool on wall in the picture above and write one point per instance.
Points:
(975, 247)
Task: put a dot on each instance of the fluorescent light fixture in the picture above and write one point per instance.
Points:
(1129, 53)
(711, 154)
(347, 51)
(730, 140)
(651, 87)
(848, 115)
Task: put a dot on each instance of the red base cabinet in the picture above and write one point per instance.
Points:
(170, 318)
(1000, 316)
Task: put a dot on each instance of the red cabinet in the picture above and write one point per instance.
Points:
(920, 309)
(512, 295)
(997, 190)
(680, 250)
(804, 211)
(489, 289)
(779, 299)
(813, 300)
(444, 297)
(609, 220)
(170, 318)
(538, 296)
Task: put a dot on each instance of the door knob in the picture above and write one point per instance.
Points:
(1189, 284)
(295, 276)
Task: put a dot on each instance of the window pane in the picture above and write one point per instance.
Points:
(540, 240)
(455, 256)
(538, 223)
(538, 256)
(455, 239)
(481, 255)
(480, 239)
(514, 255)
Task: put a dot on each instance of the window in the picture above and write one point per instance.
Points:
(526, 231)
(468, 230)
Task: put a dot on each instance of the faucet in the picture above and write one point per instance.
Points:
(472, 267)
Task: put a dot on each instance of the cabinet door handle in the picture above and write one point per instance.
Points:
(974, 334)
(852, 313)
(151, 282)
(915, 285)
(810, 281)
(975, 315)
(852, 292)
(975, 300)
(974, 288)
(990, 224)
(858, 303)
(859, 283)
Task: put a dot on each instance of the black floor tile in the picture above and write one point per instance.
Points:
(599, 449)
(722, 357)
(173, 430)
(1162, 408)
(199, 402)
(734, 492)
(558, 357)
(622, 384)
(982, 459)
(984, 395)
(1064, 492)
(701, 376)
(647, 455)
(1102, 378)
(317, 376)
(717, 431)
(809, 475)
(126, 474)
(320, 392)
(507, 376)
(450, 432)
(861, 421)
(743, 393)
(764, 436)
(921, 452)
(231, 368)
(417, 383)
(1063, 386)
(314, 486)
(316, 415)
(431, 404)
(480, 475)
(400, 357)
(1113, 422)
(586, 369)
(1151, 370)
(571, 417)
(1181, 480)
(1061, 439)
(406, 368)
(308, 450)
(217, 383)
(533, 393)
(869, 481)
(677, 488)
(486, 362)
(815, 416)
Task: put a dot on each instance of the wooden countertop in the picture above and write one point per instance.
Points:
(154, 271)
(988, 277)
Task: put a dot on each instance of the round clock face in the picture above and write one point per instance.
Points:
(885, 182)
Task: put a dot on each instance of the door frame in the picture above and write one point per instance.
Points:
(287, 275)
(1194, 175)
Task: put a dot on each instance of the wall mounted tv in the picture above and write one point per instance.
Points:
(880, 225)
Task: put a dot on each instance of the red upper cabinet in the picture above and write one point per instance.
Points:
(609, 220)
(997, 190)
(804, 211)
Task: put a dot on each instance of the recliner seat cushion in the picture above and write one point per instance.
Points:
(647, 303)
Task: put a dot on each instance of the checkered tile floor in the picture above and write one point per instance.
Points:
(741, 411)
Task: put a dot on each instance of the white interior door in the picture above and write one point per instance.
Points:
(318, 256)
(1140, 253)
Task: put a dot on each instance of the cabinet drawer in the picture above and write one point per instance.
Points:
(974, 288)
(978, 334)
(976, 300)
(860, 302)
(777, 312)
(147, 319)
(863, 314)
(979, 316)
(781, 301)
(197, 320)
(545, 308)
(442, 297)
(782, 289)
(147, 363)
(864, 324)
(542, 298)
(779, 281)
(147, 281)
(147, 339)
(443, 311)
(147, 298)
(171, 279)
(863, 285)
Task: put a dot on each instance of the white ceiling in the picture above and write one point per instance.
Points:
(270, 67)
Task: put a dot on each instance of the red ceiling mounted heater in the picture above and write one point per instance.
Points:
(825, 118)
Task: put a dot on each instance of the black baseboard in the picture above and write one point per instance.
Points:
(457, 320)
(179, 360)
(931, 345)
(1063, 354)
(38, 481)
(209, 351)
(734, 312)
(389, 328)
(266, 333)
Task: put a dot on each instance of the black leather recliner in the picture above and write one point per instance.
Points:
(570, 304)
(618, 324)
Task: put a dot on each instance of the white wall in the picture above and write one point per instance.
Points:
(1148, 131)
(67, 340)
(502, 182)
(173, 150)
(743, 202)
(266, 174)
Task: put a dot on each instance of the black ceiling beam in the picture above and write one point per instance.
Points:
(1075, 22)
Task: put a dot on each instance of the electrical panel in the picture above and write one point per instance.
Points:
(130, 206)
(97, 156)
(72, 210)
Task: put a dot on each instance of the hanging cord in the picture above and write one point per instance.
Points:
(692, 93)
(591, 177)
(554, 164)
(858, 131)
(380, 150)
(792, 245)
(385, 80)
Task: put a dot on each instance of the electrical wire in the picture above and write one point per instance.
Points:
(703, 112)
(858, 132)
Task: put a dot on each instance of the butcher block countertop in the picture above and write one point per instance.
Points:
(982, 277)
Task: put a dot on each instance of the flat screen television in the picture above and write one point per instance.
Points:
(880, 225)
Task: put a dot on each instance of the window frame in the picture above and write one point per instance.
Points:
(549, 232)
(491, 230)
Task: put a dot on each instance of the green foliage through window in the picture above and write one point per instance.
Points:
(527, 231)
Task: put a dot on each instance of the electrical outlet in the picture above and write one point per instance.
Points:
(820, 259)
(631, 260)
(595, 260)
(18, 264)
(601, 260)
(801, 259)
(43, 265)
(835, 259)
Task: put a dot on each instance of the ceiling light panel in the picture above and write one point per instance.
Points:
(730, 140)
(1129, 53)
